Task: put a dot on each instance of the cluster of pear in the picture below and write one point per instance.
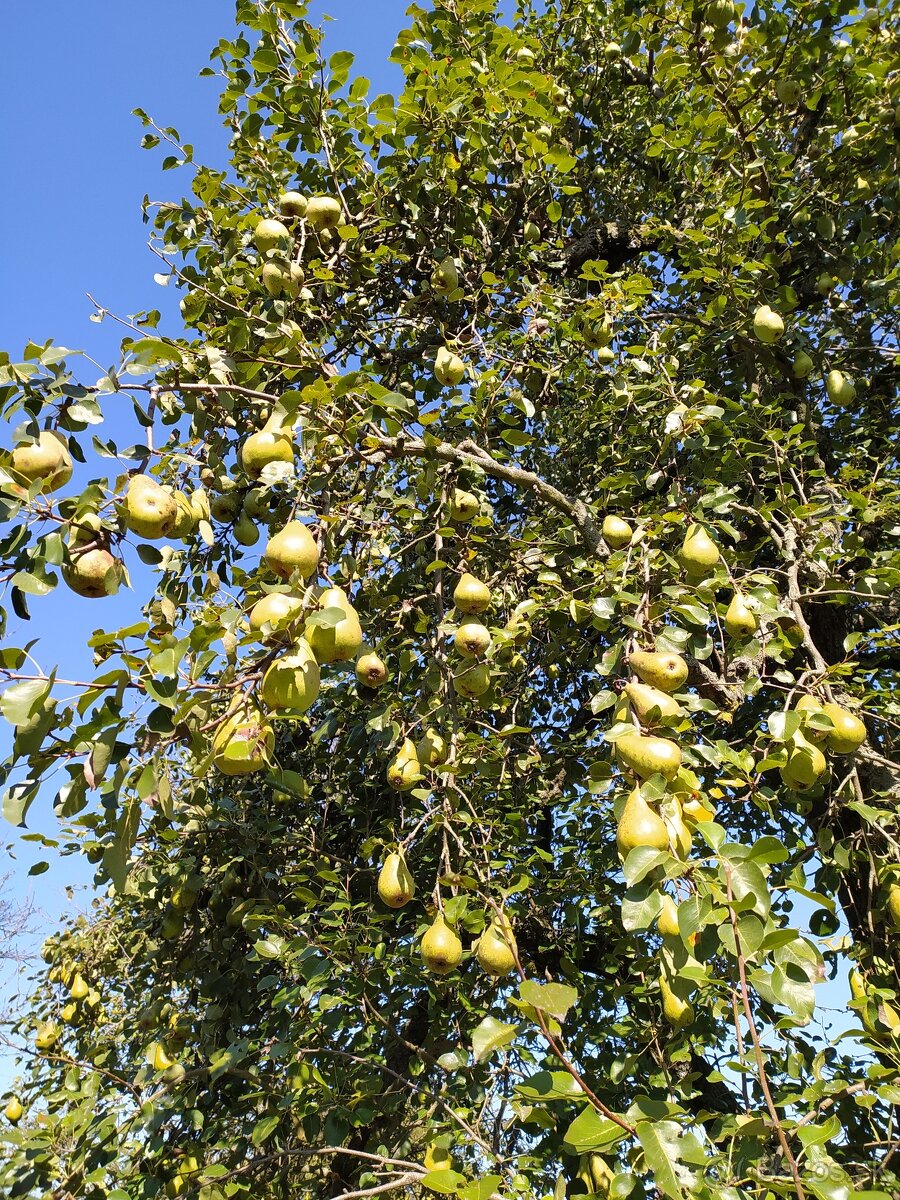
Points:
(806, 762)
(596, 332)
(768, 326)
(281, 275)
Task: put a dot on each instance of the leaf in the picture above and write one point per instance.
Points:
(116, 856)
(21, 701)
(17, 800)
(591, 1131)
(661, 1144)
(749, 888)
(491, 1035)
(550, 1085)
(481, 1189)
(553, 998)
(641, 905)
(224, 1060)
(264, 1129)
(445, 1182)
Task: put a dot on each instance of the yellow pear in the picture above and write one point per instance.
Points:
(530, 231)
(640, 825)
(186, 520)
(658, 669)
(265, 447)
(463, 506)
(767, 325)
(158, 1058)
(473, 682)
(275, 611)
(445, 277)
(740, 620)
(645, 699)
(471, 595)
(403, 772)
(449, 368)
(244, 741)
(395, 883)
(805, 764)
(293, 548)
(371, 671)
(48, 460)
(431, 749)
(648, 756)
(323, 212)
(893, 904)
(616, 531)
(78, 989)
(437, 1158)
(339, 642)
(440, 947)
(272, 235)
(282, 279)
(92, 573)
(47, 1035)
(849, 732)
(472, 640)
(69, 1013)
(150, 510)
(699, 553)
(667, 921)
(840, 389)
(811, 704)
(678, 1012)
(291, 683)
(496, 949)
(293, 204)
(14, 1110)
(679, 835)
(594, 1172)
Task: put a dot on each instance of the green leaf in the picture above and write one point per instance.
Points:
(661, 1142)
(553, 998)
(481, 1189)
(20, 701)
(264, 1129)
(591, 1131)
(491, 1035)
(550, 1085)
(445, 1182)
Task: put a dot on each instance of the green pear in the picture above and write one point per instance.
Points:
(616, 531)
(595, 1174)
(472, 640)
(47, 1035)
(893, 904)
(640, 825)
(825, 226)
(678, 1012)
(225, 507)
(667, 921)
(186, 520)
(431, 749)
(265, 447)
(275, 611)
(767, 325)
(323, 212)
(14, 1110)
(395, 883)
(441, 949)
(93, 573)
(341, 641)
(291, 683)
(293, 204)
(658, 669)
(371, 671)
(244, 740)
(292, 549)
(720, 13)
(612, 51)
(531, 232)
(647, 756)
(805, 764)
(788, 92)
(150, 510)
(471, 595)
(472, 682)
(699, 553)
(840, 389)
(272, 235)
(740, 620)
(680, 837)
(525, 55)
(449, 368)
(496, 949)
(445, 277)
(246, 531)
(646, 699)
(404, 771)
(463, 505)
(802, 366)
(848, 733)
(48, 460)
(282, 279)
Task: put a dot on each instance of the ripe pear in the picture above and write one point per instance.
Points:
(647, 756)
(471, 595)
(640, 825)
(472, 682)
(472, 640)
(699, 553)
(395, 883)
(667, 921)
(158, 1058)
(463, 505)
(616, 531)
(893, 904)
(14, 1110)
(275, 610)
(293, 204)
(449, 368)
(48, 460)
(92, 573)
(272, 235)
(78, 989)
(445, 277)
(186, 521)
(658, 669)
(644, 699)
(849, 732)
(740, 620)
(496, 949)
(291, 683)
(292, 549)
(150, 510)
(47, 1035)
(266, 446)
(802, 366)
(767, 325)
(244, 741)
(840, 389)
(679, 1013)
(323, 212)
(69, 1014)
(371, 671)
(404, 772)
(441, 949)
(340, 642)
(805, 764)
(437, 1158)
(679, 835)
(431, 749)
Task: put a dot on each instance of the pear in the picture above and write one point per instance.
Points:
(403, 772)
(283, 279)
(767, 325)
(525, 55)
(225, 507)
(679, 1013)
(667, 921)
(323, 212)
(471, 595)
(292, 549)
(802, 366)
(371, 671)
(48, 460)
(395, 883)
(244, 741)
(640, 825)
(496, 949)
(47, 1035)
(92, 573)
(291, 683)
(645, 699)
(150, 510)
(340, 642)
(431, 749)
(293, 204)
(658, 669)
(272, 235)
(14, 1110)
(441, 949)
(445, 277)
(679, 835)
(699, 553)
(805, 764)
(275, 610)
(473, 682)
(158, 1057)
(840, 389)
(616, 531)
(246, 531)
(740, 620)
(437, 1158)
(893, 904)
(720, 13)
(78, 989)
(449, 368)
(531, 232)
(463, 505)
(69, 1014)
(472, 640)
(811, 704)
(647, 756)
(266, 446)
(595, 1173)
(849, 732)
(788, 92)
(186, 520)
